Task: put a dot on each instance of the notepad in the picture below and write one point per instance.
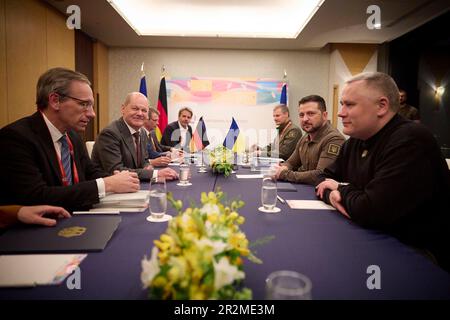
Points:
(309, 204)
(37, 269)
(123, 202)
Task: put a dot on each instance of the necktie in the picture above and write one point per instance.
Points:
(65, 159)
(138, 149)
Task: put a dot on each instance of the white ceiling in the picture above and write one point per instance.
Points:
(336, 21)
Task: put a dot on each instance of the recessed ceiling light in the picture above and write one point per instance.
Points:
(218, 18)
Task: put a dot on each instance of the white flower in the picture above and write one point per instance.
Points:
(217, 246)
(225, 273)
(150, 268)
(210, 208)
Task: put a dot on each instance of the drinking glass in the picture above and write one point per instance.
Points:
(184, 173)
(158, 197)
(269, 192)
(201, 161)
(288, 285)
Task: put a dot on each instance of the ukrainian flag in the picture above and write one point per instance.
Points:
(234, 139)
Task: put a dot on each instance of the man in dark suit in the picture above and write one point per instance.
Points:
(123, 145)
(178, 133)
(156, 151)
(46, 162)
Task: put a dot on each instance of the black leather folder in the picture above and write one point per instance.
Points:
(78, 234)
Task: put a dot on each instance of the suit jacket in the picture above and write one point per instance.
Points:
(171, 136)
(154, 148)
(8, 215)
(31, 172)
(114, 149)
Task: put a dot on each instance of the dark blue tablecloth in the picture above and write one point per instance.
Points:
(332, 251)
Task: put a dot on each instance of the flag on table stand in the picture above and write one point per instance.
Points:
(143, 85)
(199, 139)
(283, 97)
(234, 139)
(162, 108)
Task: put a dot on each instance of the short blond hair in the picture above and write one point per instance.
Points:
(382, 82)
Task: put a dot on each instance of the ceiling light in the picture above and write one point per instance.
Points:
(218, 18)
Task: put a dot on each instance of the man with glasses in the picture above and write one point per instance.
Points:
(156, 151)
(315, 150)
(44, 160)
(123, 145)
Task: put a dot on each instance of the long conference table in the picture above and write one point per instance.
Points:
(331, 250)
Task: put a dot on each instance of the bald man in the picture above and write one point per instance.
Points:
(123, 145)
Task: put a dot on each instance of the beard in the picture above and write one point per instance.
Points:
(311, 128)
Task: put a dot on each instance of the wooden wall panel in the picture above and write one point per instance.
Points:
(60, 41)
(3, 80)
(26, 54)
(101, 85)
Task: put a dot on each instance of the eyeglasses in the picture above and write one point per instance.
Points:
(83, 103)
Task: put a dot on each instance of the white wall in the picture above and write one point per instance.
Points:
(308, 71)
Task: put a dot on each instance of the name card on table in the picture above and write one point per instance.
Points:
(309, 205)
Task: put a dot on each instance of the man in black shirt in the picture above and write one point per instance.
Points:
(390, 174)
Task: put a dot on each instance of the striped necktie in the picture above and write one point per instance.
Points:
(65, 159)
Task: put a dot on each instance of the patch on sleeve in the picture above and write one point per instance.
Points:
(291, 134)
(333, 149)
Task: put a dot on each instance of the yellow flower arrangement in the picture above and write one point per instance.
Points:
(220, 160)
(200, 254)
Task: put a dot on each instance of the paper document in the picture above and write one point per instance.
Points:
(268, 159)
(140, 196)
(249, 176)
(37, 269)
(99, 211)
(309, 204)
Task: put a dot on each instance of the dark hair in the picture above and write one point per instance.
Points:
(185, 109)
(151, 111)
(56, 80)
(314, 98)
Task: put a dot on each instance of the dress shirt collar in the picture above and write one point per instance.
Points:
(132, 131)
(54, 132)
(181, 127)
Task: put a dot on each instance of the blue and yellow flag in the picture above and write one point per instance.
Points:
(234, 139)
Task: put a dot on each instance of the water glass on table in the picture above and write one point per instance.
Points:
(288, 285)
(184, 174)
(158, 198)
(269, 192)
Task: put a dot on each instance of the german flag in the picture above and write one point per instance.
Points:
(162, 108)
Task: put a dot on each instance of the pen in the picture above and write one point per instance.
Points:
(281, 199)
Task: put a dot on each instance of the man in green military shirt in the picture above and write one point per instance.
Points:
(315, 150)
(407, 111)
(288, 135)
